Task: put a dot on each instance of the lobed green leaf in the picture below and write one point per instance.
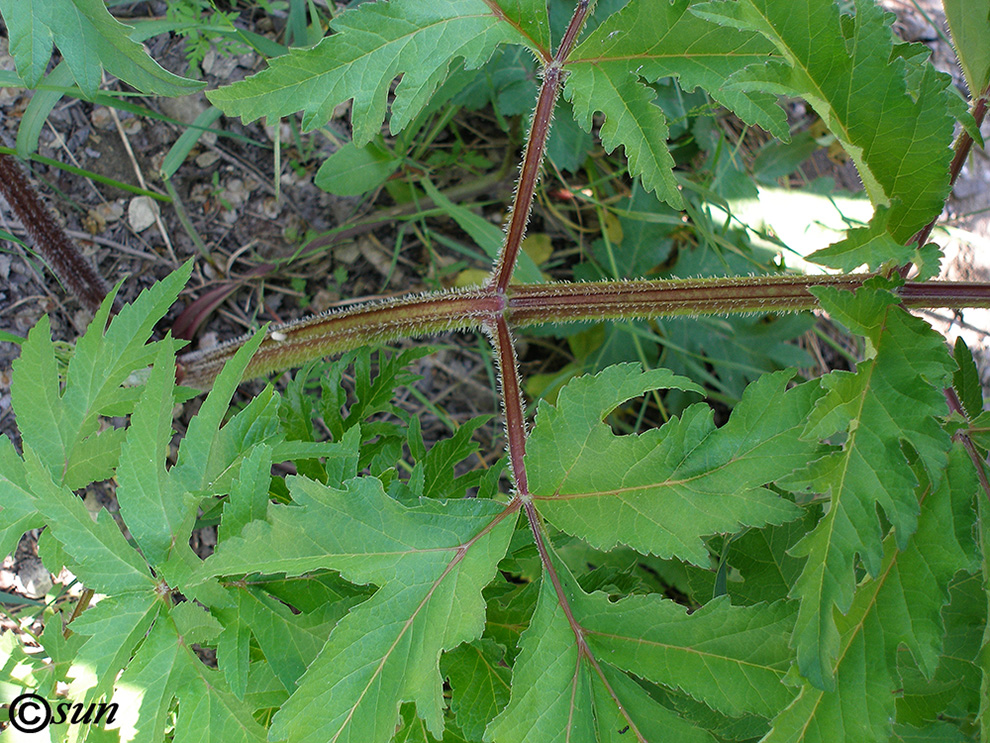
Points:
(61, 425)
(732, 658)
(479, 680)
(661, 491)
(891, 114)
(900, 604)
(103, 559)
(89, 39)
(646, 41)
(166, 669)
(558, 695)
(431, 562)
(889, 403)
(373, 44)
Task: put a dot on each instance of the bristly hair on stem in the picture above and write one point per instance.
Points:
(507, 366)
(524, 305)
(76, 273)
(554, 75)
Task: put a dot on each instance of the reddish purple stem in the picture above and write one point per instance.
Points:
(553, 79)
(74, 270)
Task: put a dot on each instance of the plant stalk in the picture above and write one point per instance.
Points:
(535, 304)
(74, 271)
(522, 202)
(512, 400)
(553, 79)
(377, 322)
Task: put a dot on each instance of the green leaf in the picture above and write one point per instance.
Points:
(386, 650)
(233, 657)
(30, 37)
(631, 120)
(166, 668)
(898, 135)
(889, 402)
(249, 495)
(969, 22)
(35, 395)
(413, 730)
(966, 379)
(506, 82)
(647, 41)
(530, 18)
(373, 44)
(149, 503)
(479, 681)
(113, 629)
(90, 39)
(760, 557)
(901, 604)
(104, 560)
(209, 455)
(559, 695)
(939, 732)
(439, 477)
(373, 394)
(18, 512)
(569, 145)
(289, 641)
(51, 91)
(352, 170)
(661, 491)
(193, 623)
(871, 246)
(732, 658)
(62, 426)
(954, 690)
(510, 607)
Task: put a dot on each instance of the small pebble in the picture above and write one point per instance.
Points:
(141, 213)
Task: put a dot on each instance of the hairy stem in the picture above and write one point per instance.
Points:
(379, 322)
(534, 304)
(74, 271)
(537, 304)
(569, 39)
(553, 77)
(515, 417)
(553, 80)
